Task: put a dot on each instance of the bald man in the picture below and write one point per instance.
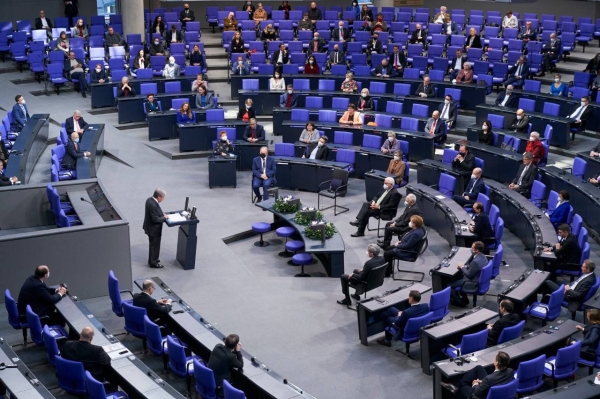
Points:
(436, 128)
(157, 310)
(94, 358)
(42, 299)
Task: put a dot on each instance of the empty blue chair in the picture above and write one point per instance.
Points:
(156, 343)
(393, 107)
(180, 364)
(371, 141)
(301, 84)
(510, 333)
(50, 344)
(284, 149)
(231, 392)
(326, 115)
(341, 103)
(35, 328)
(447, 184)
(348, 156)
(498, 232)
(538, 193)
(134, 321)
(300, 115)
(579, 167)
(326, 85)
(71, 376)
(215, 115)
(95, 389)
(438, 304)
(470, 343)
(549, 311)
(420, 110)
(115, 294)
(497, 121)
(13, 315)
(565, 363)
(377, 87)
(527, 104)
(409, 124)
(205, 381)
(497, 259)
(402, 89)
(172, 87)
(342, 137)
(383, 120)
(551, 108)
(530, 375)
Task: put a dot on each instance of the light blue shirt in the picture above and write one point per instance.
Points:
(313, 154)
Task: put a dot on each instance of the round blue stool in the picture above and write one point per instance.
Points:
(294, 246)
(286, 232)
(302, 259)
(261, 227)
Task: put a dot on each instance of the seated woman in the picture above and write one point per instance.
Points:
(365, 102)
(80, 30)
(158, 26)
(397, 167)
(141, 61)
(561, 213)
(349, 84)
(196, 57)
(247, 112)
(151, 105)
(558, 88)
(591, 335)
(277, 82)
(309, 135)
(185, 115)
(62, 43)
(351, 117)
(269, 33)
(223, 146)
(204, 99)
(286, 8)
(473, 40)
(311, 67)
(260, 14)
(535, 147)
(237, 44)
(379, 25)
(485, 135)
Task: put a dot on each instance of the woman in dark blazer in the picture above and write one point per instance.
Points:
(473, 40)
(237, 44)
(591, 335)
(246, 112)
(365, 101)
(485, 134)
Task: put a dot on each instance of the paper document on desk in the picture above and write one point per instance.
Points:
(113, 347)
(176, 217)
(541, 309)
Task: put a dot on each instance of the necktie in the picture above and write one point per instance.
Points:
(445, 112)
(263, 165)
(253, 136)
(522, 174)
(396, 61)
(362, 104)
(527, 32)
(315, 46)
(24, 112)
(432, 130)
(380, 199)
(578, 112)
(552, 43)
(471, 184)
(336, 57)
(76, 147)
(519, 70)
(341, 33)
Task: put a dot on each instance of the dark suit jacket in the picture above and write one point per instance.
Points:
(320, 46)
(521, 126)
(377, 46)
(322, 153)
(5, 181)
(401, 59)
(524, 71)
(69, 161)
(251, 112)
(508, 320)
(429, 91)
(467, 164)
(340, 60)
(286, 57)
(368, 103)
(585, 115)
(389, 205)
(528, 179)
(120, 92)
(512, 100)
(269, 167)
(18, 115)
(36, 294)
(415, 35)
(451, 112)
(548, 47)
(476, 41)
(222, 360)
(473, 267)
(169, 36)
(38, 23)
(388, 70)
(94, 358)
(370, 264)
(154, 309)
(482, 227)
(70, 125)
(153, 218)
(474, 187)
(190, 15)
(591, 336)
(453, 28)
(336, 34)
(502, 377)
(439, 133)
(95, 77)
(409, 211)
(409, 243)
(569, 251)
(532, 35)
(259, 132)
(284, 97)
(417, 310)
(451, 67)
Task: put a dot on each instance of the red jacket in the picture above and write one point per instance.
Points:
(537, 149)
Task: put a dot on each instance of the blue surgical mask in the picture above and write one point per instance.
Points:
(76, 141)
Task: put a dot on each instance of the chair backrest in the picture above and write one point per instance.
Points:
(552, 201)
(215, 115)
(134, 320)
(95, 388)
(205, 381)
(250, 84)
(499, 230)
(538, 192)
(340, 103)
(579, 167)
(473, 342)
(503, 391)
(577, 224)
(50, 344)
(510, 333)
(527, 104)
(438, 304)
(530, 374)
(551, 108)
(582, 237)
(11, 308)
(115, 294)
(375, 278)
(555, 303)
(284, 149)
(449, 155)
(420, 110)
(497, 121)
(301, 115)
(371, 141)
(229, 391)
(327, 85)
(412, 330)
(566, 360)
(153, 337)
(447, 184)
(342, 137)
(402, 89)
(344, 155)
(409, 124)
(71, 376)
(326, 115)
(35, 327)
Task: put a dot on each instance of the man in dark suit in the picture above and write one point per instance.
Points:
(480, 225)
(263, 173)
(289, 99)
(518, 73)
(225, 357)
(94, 358)
(525, 177)
(507, 98)
(398, 319)
(449, 28)
(457, 64)
(551, 51)
(4, 180)
(374, 45)
(448, 111)
(474, 187)
(42, 299)
(254, 132)
(316, 45)
(397, 60)
(73, 152)
(406, 248)
(521, 122)
(384, 204)
(436, 128)
(157, 310)
(567, 250)
(527, 33)
(580, 116)
(400, 226)
(173, 36)
(476, 383)
(71, 10)
(595, 152)
(186, 15)
(336, 57)
(576, 291)
(20, 114)
(153, 220)
(340, 34)
(470, 271)
(44, 23)
(384, 70)
(464, 160)
(76, 124)
(507, 319)
(360, 275)
(280, 56)
(425, 89)
(319, 151)
(75, 69)
(419, 35)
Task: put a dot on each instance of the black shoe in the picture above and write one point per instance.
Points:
(84, 95)
(357, 297)
(354, 223)
(258, 199)
(383, 245)
(458, 304)
(450, 387)
(384, 342)
(157, 266)
(357, 234)
(540, 74)
(344, 302)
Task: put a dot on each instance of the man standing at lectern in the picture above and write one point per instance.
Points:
(153, 220)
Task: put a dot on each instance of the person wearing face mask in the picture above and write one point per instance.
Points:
(320, 151)
(240, 67)
(525, 177)
(561, 212)
(400, 225)
(263, 173)
(340, 34)
(269, 33)
(383, 70)
(359, 276)
(356, 9)
(40, 297)
(464, 160)
(204, 99)
(73, 152)
(559, 88)
(351, 117)
(405, 248)
(230, 23)
(419, 35)
(289, 99)
(171, 70)
(521, 122)
(567, 253)
(199, 82)
(157, 48)
(426, 89)
(485, 135)
(311, 67)
(535, 147)
(551, 51)
(124, 89)
(474, 187)
(20, 114)
(98, 74)
(507, 98)
(365, 102)
(317, 44)
(379, 25)
(580, 116)
(246, 112)
(374, 46)
(254, 132)
(441, 16)
(391, 144)
(518, 73)
(480, 225)
(470, 274)
(286, 8)
(349, 85)
(448, 112)
(80, 30)
(277, 82)
(186, 15)
(336, 57)
(384, 205)
(62, 43)
(223, 146)
(397, 166)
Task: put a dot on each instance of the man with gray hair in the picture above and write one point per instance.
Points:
(94, 358)
(153, 220)
(384, 205)
(360, 275)
(525, 177)
(76, 124)
(399, 226)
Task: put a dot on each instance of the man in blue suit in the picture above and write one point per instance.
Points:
(475, 186)
(398, 319)
(507, 98)
(471, 271)
(20, 114)
(263, 172)
(561, 213)
(518, 73)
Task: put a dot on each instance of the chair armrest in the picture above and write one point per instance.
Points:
(551, 366)
(326, 181)
(455, 348)
(436, 186)
(341, 187)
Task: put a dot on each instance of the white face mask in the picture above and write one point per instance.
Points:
(446, 101)
(473, 176)
(583, 104)
(363, 95)
(156, 43)
(320, 144)
(410, 224)
(385, 187)
(98, 70)
(310, 62)
(347, 79)
(240, 62)
(556, 80)
(277, 76)
(484, 127)
(519, 117)
(23, 101)
(248, 106)
(531, 139)
(290, 91)
(391, 139)
(396, 158)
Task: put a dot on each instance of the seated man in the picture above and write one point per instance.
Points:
(360, 275)
(475, 186)
(448, 111)
(507, 319)
(521, 122)
(336, 57)
(419, 35)
(384, 70)
(506, 98)
(113, 39)
(470, 271)
(397, 60)
(94, 358)
(254, 132)
(157, 310)
(124, 89)
(4, 180)
(240, 67)
(400, 225)
(426, 89)
(464, 160)
(384, 204)
(263, 173)
(289, 99)
(525, 177)
(457, 64)
(435, 127)
(578, 289)
(224, 357)
(99, 75)
(173, 35)
(567, 250)
(74, 68)
(476, 383)
(76, 124)
(480, 225)
(580, 116)
(42, 299)
(319, 151)
(399, 319)
(405, 248)
(73, 152)
(517, 74)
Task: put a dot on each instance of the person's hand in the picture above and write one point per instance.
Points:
(101, 81)
(14, 179)
(399, 313)
(87, 153)
(238, 347)
(378, 75)
(476, 382)
(460, 265)
(567, 288)
(593, 154)
(386, 76)
(223, 154)
(557, 246)
(547, 250)
(396, 244)
(490, 326)
(374, 206)
(263, 176)
(385, 151)
(580, 328)
(165, 215)
(62, 291)
(592, 180)
(467, 197)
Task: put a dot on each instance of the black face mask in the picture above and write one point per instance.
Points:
(263, 156)
(463, 154)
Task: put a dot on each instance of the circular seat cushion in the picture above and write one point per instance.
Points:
(302, 259)
(285, 231)
(261, 227)
(294, 246)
